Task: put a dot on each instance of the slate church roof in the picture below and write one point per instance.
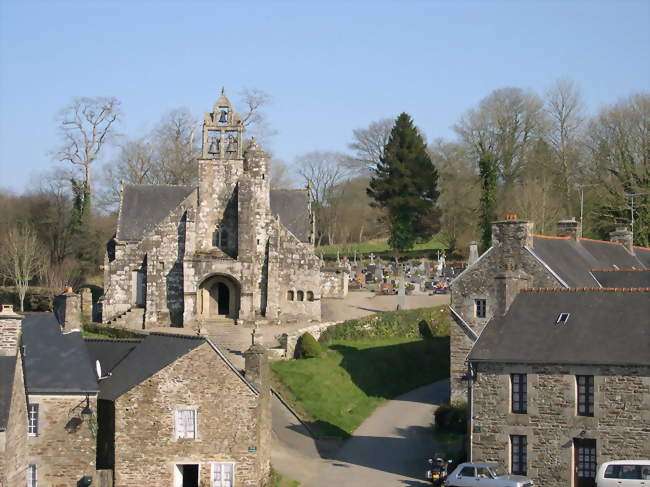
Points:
(55, 362)
(604, 326)
(292, 206)
(143, 206)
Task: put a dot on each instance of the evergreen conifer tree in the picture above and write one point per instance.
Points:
(405, 185)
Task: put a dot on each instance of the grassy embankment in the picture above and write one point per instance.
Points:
(279, 480)
(380, 248)
(364, 363)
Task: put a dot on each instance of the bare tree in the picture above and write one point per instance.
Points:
(21, 258)
(86, 125)
(322, 172)
(565, 109)
(254, 118)
(368, 146)
(176, 145)
(280, 177)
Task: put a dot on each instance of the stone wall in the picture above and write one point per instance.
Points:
(619, 424)
(496, 277)
(146, 452)
(334, 284)
(290, 340)
(15, 454)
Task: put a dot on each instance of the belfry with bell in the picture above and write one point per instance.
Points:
(222, 131)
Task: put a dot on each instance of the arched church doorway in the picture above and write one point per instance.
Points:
(219, 298)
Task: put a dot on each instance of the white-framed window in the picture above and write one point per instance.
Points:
(32, 419)
(32, 477)
(480, 308)
(185, 422)
(223, 474)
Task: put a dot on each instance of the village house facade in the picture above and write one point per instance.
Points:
(160, 410)
(561, 383)
(520, 259)
(229, 250)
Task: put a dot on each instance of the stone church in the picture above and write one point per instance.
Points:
(228, 250)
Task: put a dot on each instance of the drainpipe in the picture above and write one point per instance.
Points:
(470, 426)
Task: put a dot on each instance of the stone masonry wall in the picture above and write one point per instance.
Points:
(334, 284)
(15, 454)
(478, 282)
(619, 425)
(146, 451)
(9, 332)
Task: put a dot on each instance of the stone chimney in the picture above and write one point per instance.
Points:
(473, 253)
(512, 233)
(67, 309)
(86, 304)
(256, 365)
(508, 284)
(9, 330)
(569, 227)
(624, 236)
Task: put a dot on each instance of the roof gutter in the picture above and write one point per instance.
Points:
(560, 280)
(463, 324)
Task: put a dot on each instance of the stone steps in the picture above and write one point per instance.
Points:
(132, 318)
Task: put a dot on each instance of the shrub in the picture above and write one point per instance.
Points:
(452, 417)
(309, 347)
(408, 323)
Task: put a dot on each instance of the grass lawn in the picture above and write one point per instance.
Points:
(279, 480)
(344, 386)
(377, 246)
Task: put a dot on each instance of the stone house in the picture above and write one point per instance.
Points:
(161, 410)
(228, 249)
(173, 411)
(519, 259)
(561, 383)
(49, 394)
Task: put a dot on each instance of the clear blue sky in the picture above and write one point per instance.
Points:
(329, 66)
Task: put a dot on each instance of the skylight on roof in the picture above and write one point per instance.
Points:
(562, 319)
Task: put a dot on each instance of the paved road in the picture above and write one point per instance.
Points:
(389, 449)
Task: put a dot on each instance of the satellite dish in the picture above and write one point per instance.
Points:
(98, 370)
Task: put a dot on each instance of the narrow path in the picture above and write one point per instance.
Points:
(389, 449)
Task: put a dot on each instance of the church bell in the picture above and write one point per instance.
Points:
(223, 117)
(214, 146)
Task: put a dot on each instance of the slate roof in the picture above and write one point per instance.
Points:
(623, 279)
(605, 326)
(143, 206)
(7, 368)
(643, 254)
(573, 262)
(292, 206)
(131, 362)
(55, 362)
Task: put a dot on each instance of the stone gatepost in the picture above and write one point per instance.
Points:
(67, 309)
(10, 324)
(86, 304)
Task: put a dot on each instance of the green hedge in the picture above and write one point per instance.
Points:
(408, 323)
(92, 330)
(34, 300)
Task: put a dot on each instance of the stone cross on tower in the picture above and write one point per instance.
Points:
(222, 131)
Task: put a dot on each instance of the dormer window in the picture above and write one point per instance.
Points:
(562, 318)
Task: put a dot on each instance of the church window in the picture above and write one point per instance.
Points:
(289, 295)
(301, 296)
(310, 296)
(480, 306)
(220, 237)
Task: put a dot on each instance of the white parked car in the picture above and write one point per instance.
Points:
(479, 474)
(624, 473)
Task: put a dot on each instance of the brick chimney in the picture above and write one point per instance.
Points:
(67, 309)
(624, 236)
(10, 324)
(512, 233)
(569, 227)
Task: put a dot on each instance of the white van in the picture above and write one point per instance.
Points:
(622, 473)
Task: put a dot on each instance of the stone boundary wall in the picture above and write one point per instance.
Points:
(289, 341)
(334, 284)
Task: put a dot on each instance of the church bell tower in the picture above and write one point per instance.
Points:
(222, 131)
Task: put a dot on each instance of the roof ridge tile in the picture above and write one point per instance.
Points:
(586, 289)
